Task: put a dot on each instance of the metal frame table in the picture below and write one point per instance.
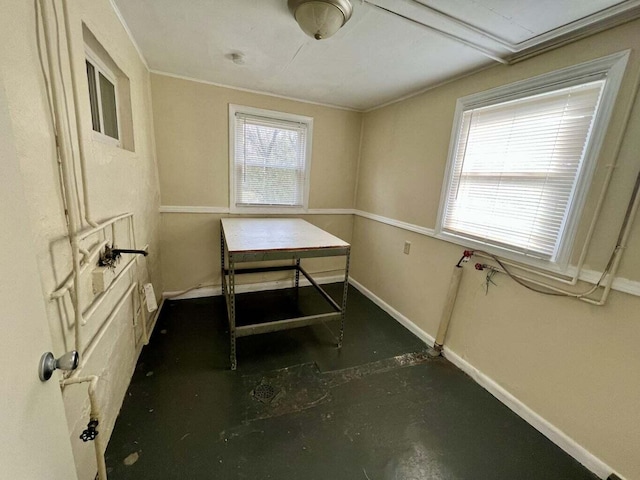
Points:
(264, 239)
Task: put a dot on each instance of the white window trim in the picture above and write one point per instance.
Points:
(613, 66)
(100, 67)
(268, 209)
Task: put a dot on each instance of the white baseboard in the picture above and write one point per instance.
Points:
(408, 324)
(212, 291)
(557, 436)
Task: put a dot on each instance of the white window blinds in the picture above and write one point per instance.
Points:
(515, 169)
(270, 161)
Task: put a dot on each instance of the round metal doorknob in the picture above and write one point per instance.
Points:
(49, 364)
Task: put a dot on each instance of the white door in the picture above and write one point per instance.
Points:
(34, 439)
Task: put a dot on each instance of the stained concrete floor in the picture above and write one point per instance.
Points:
(297, 408)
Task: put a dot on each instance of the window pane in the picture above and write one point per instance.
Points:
(109, 115)
(93, 97)
(269, 161)
(516, 166)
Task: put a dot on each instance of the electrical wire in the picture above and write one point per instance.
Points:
(523, 282)
(518, 280)
(195, 287)
(489, 280)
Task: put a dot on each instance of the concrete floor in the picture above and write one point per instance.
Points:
(297, 408)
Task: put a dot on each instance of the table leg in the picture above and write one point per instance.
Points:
(297, 274)
(222, 276)
(232, 311)
(344, 298)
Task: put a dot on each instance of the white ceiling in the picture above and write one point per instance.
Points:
(375, 58)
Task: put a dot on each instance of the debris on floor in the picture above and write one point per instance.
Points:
(131, 459)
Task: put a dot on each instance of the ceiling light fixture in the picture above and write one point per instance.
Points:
(320, 18)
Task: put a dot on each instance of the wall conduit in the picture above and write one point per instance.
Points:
(63, 153)
(95, 413)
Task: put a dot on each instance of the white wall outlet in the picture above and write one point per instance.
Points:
(150, 297)
(407, 247)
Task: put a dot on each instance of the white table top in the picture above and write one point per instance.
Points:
(267, 234)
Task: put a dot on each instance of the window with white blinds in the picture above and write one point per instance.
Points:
(270, 158)
(517, 165)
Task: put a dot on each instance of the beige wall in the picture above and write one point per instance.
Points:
(192, 130)
(118, 181)
(574, 364)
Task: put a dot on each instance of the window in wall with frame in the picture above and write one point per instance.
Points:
(109, 107)
(270, 156)
(521, 160)
(102, 98)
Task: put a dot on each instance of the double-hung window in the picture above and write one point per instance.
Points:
(521, 161)
(270, 155)
(102, 98)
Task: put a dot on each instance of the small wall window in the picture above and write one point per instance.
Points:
(109, 95)
(521, 161)
(270, 154)
(102, 97)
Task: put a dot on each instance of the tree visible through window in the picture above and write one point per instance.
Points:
(270, 161)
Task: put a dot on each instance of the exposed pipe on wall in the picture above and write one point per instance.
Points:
(86, 352)
(94, 414)
(63, 155)
(623, 239)
(90, 260)
(450, 301)
(63, 90)
(89, 312)
(610, 270)
(76, 103)
(103, 225)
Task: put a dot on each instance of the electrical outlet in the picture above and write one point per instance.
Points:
(407, 247)
(150, 297)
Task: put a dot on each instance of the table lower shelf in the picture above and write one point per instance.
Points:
(286, 324)
(230, 271)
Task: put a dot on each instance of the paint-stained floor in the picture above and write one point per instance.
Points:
(297, 408)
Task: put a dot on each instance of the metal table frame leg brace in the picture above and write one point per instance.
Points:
(229, 272)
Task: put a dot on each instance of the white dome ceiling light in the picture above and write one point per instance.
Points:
(320, 18)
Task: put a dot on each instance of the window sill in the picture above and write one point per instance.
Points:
(268, 210)
(545, 266)
(99, 137)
